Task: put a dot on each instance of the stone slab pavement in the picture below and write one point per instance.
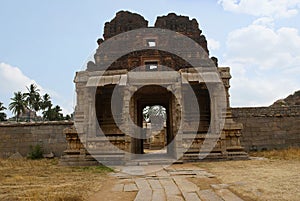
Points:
(170, 184)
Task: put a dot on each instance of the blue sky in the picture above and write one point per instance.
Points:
(46, 42)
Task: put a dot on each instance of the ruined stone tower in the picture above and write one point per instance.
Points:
(138, 68)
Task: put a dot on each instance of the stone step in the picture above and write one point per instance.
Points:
(144, 162)
(196, 157)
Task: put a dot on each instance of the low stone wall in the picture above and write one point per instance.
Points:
(264, 128)
(268, 128)
(18, 137)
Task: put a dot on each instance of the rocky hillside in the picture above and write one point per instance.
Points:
(291, 100)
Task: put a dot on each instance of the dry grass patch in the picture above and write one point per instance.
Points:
(286, 154)
(274, 178)
(45, 180)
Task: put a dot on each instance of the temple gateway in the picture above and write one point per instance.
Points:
(152, 95)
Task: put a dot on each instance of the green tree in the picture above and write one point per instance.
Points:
(67, 117)
(33, 99)
(2, 114)
(53, 114)
(45, 102)
(18, 104)
(46, 105)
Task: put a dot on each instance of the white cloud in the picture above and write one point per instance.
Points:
(256, 88)
(265, 64)
(264, 47)
(274, 8)
(12, 80)
(265, 21)
(213, 44)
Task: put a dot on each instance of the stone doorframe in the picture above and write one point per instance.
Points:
(132, 108)
(140, 101)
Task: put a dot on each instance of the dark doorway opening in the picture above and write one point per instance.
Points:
(156, 127)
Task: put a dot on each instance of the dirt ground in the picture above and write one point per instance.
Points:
(103, 194)
(46, 180)
(273, 178)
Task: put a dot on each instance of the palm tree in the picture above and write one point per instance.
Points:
(36, 105)
(33, 99)
(53, 114)
(18, 104)
(45, 102)
(58, 115)
(2, 114)
(47, 114)
(46, 105)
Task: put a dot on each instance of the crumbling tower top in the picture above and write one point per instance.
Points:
(125, 21)
(183, 25)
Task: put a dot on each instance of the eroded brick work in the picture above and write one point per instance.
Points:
(183, 25)
(124, 21)
(135, 59)
(137, 86)
(18, 137)
(267, 128)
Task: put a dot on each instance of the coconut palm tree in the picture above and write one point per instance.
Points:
(33, 99)
(58, 115)
(18, 104)
(46, 105)
(45, 102)
(2, 114)
(53, 114)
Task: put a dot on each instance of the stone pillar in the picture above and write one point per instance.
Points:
(176, 107)
(126, 117)
(218, 115)
(213, 114)
(92, 118)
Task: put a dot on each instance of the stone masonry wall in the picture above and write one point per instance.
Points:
(18, 137)
(264, 128)
(268, 128)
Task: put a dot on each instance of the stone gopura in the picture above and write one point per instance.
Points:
(137, 67)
